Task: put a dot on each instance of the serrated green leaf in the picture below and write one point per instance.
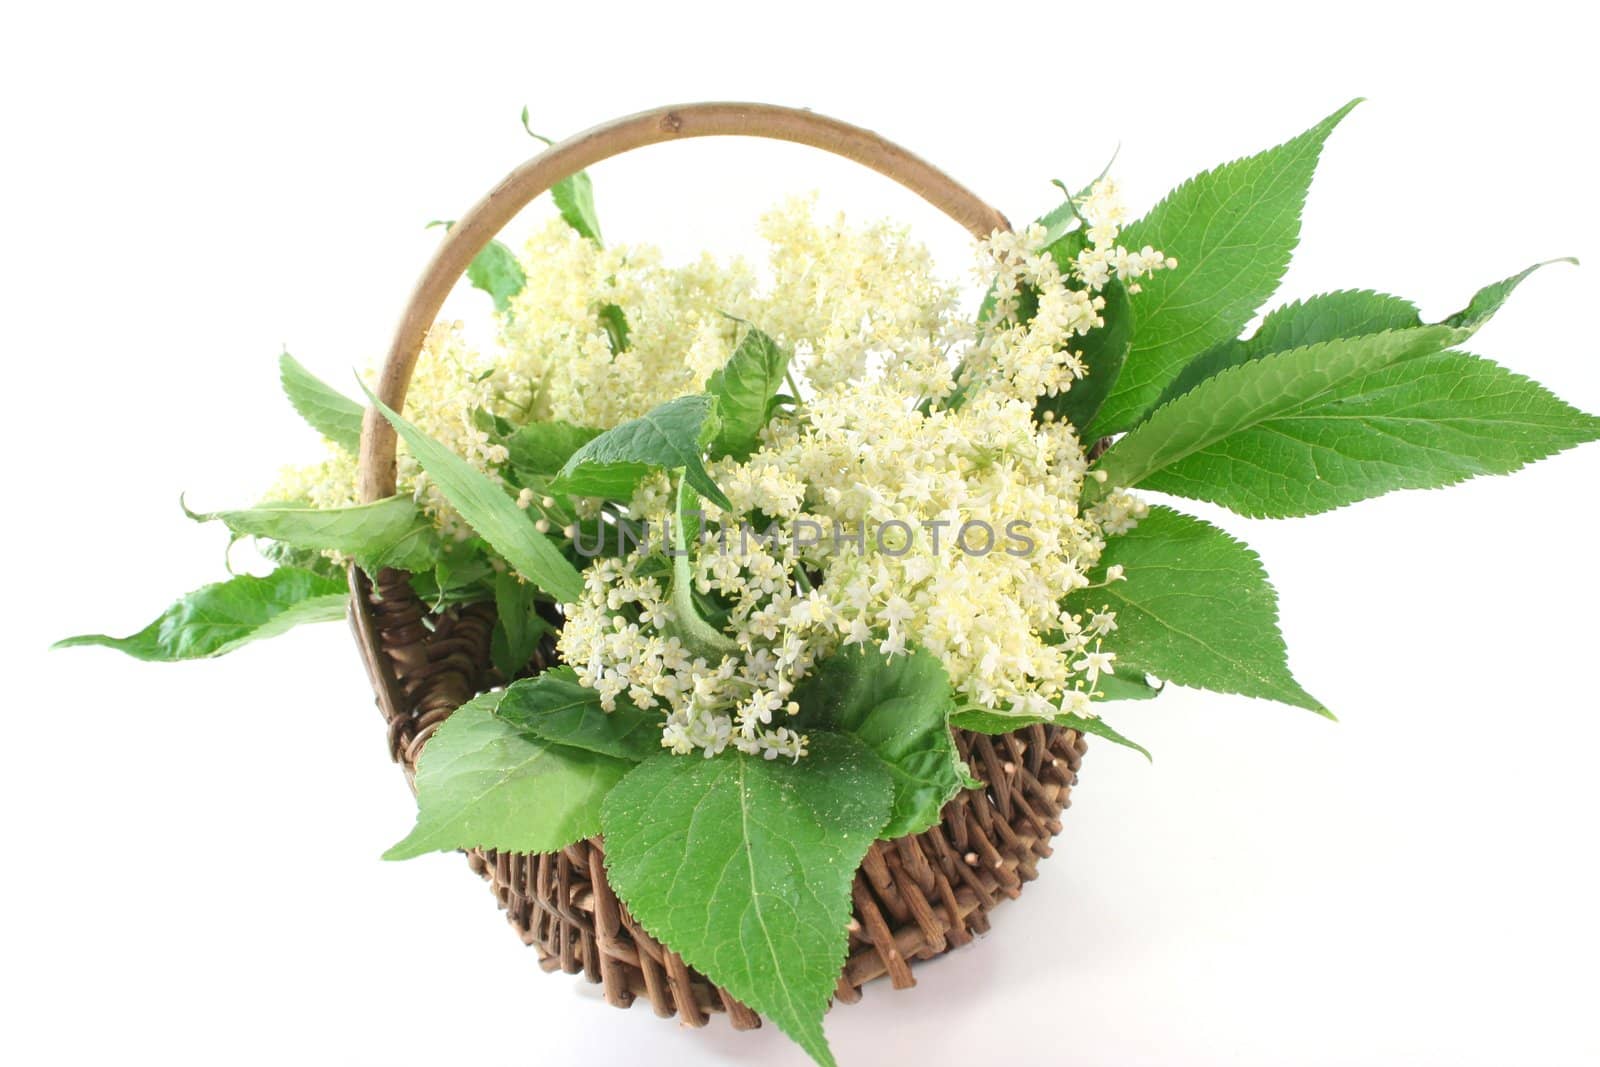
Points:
(556, 707)
(1491, 298)
(671, 436)
(1243, 410)
(1430, 420)
(612, 481)
(899, 708)
(385, 533)
(496, 271)
(1232, 231)
(1326, 317)
(1331, 316)
(744, 388)
(1104, 351)
(216, 619)
(1195, 608)
(541, 448)
(483, 503)
(744, 866)
(331, 413)
(484, 783)
(980, 721)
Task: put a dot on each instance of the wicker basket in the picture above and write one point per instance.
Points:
(915, 897)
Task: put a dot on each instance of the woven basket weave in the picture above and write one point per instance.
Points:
(915, 897)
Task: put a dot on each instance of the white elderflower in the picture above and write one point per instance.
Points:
(1095, 663)
(938, 512)
(1118, 512)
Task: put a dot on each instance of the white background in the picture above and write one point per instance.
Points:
(190, 865)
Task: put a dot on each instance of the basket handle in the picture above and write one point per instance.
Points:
(473, 231)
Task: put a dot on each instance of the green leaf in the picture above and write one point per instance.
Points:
(1104, 351)
(496, 271)
(518, 625)
(744, 389)
(1331, 316)
(744, 866)
(900, 709)
(1239, 417)
(980, 721)
(216, 619)
(671, 436)
(983, 721)
(482, 782)
(1232, 230)
(332, 414)
(1059, 221)
(385, 533)
(1195, 608)
(699, 636)
(463, 574)
(281, 555)
(483, 503)
(1491, 298)
(614, 321)
(1327, 317)
(1127, 687)
(1102, 729)
(541, 448)
(1431, 420)
(574, 196)
(556, 707)
(613, 481)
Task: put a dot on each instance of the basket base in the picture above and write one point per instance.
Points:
(915, 897)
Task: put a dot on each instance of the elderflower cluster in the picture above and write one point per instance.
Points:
(952, 528)
(1027, 356)
(1103, 215)
(956, 531)
(623, 638)
(1001, 489)
(944, 511)
(843, 299)
(835, 293)
(558, 336)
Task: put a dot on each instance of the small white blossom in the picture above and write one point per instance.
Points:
(1093, 664)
